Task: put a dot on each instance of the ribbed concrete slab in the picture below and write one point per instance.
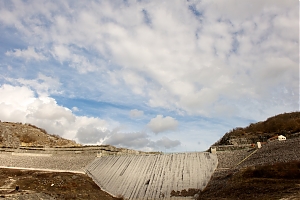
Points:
(154, 176)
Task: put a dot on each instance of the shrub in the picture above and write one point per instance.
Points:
(185, 193)
(55, 136)
(290, 170)
(33, 126)
(27, 138)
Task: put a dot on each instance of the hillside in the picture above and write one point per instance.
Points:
(18, 134)
(271, 172)
(28, 136)
(287, 124)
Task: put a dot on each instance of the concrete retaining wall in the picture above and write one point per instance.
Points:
(31, 154)
(104, 150)
(153, 176)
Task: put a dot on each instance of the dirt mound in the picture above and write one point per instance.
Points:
(18, 134)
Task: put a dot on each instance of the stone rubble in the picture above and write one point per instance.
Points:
(274, 152)
(75, 162)
(269, 153)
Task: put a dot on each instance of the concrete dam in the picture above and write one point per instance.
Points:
(152, 176)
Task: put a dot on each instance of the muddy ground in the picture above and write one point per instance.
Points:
(35, 185)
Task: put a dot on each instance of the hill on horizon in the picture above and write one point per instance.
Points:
(287, 124)
(17, 134)
(14, 134)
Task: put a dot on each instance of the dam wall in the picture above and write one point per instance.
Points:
(152, 176)
(103, 150)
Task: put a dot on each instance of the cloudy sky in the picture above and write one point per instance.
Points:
(159, 75)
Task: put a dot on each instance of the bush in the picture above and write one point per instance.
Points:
(184, 193)
(27, 138)
(290, 170)
(41, 129)
(55, 136)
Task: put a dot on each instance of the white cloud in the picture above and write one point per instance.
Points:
(129, 140)
(167, 143)
(177, 60)
(27, 54)
(200, 58)
(61, 52)
(140, 140)
(135, 113)
(90, 135)
(135, 81)
(75, 109)
(161, 124)
(75, 60)
(45, 113)
(43, 84)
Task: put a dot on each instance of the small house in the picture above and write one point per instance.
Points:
(213, 150)
(281, 138)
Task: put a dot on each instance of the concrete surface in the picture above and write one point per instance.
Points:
(154, 176)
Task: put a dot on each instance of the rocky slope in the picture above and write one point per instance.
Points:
(271, 172)
(29, 137)
(18, 134)
(287, 124)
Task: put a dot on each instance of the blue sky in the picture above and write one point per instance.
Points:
(150, 75)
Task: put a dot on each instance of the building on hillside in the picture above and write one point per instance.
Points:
(213, 150)
(281, 138)
(258, 145)
(277, 137)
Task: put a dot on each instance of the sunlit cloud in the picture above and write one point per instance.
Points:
(148, 67)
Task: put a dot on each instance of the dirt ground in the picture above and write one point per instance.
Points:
(36, 185)
(263, 183)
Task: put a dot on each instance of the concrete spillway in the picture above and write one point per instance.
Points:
(153, 176)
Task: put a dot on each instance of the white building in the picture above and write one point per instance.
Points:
(281, 138)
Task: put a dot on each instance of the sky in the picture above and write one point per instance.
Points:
(159, 75)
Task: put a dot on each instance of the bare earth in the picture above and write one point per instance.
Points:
(36, 185)
(271, 173)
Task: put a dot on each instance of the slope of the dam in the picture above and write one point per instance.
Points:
(152, 176)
